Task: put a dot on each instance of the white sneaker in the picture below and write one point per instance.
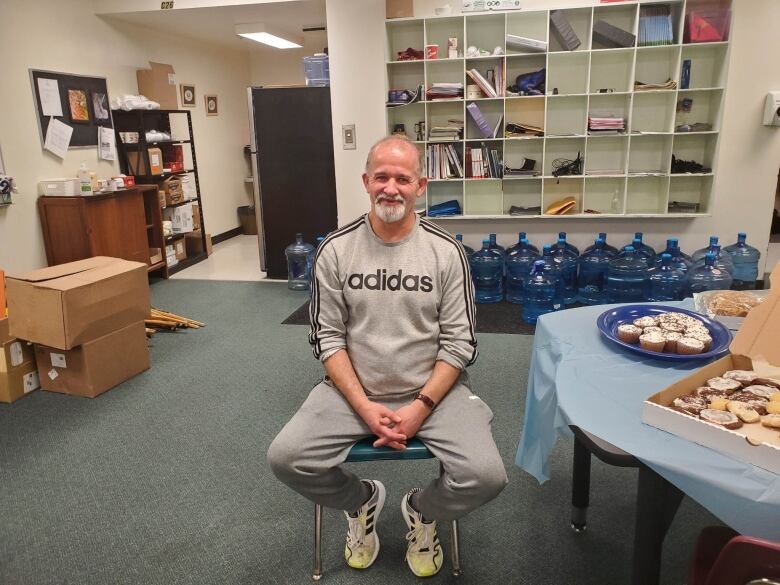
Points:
(362, 540)
(423, 551)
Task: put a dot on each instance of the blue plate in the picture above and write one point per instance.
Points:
(608, 323)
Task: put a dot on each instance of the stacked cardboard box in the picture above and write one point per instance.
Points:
(86, 319)
(18, 374)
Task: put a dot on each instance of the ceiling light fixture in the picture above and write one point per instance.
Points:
(261, 33)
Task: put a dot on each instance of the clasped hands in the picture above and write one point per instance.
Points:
(393, 427)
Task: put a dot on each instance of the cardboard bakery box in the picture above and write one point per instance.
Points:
(180, 249)
(755, 347)
(95, 366)
(18, 374)
(173, 190)
(159, 85)
(66, 305)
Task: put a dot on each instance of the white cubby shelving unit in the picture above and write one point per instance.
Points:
(624, 175)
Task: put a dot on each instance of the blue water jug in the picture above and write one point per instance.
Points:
(699, 254)
(593, 266)
(745, 259)
(520, 237)
(666, 283)
(611, 250)
(553, 268)
(523, 236)
(540, 293)
(570, 247)
(636, 246)
(673, 249)
(469, 250)
(298, 267)
(627, 278)
(643, 248)
(486, 268)
(567, 262)
(519, 262)
(494, 245)
(723, 260)
(708, 276)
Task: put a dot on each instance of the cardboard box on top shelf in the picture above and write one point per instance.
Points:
(95, 366)
(18, 373)
(66, 305)
(180, 218)
(399, 8)
(754, 347)
(159, 85)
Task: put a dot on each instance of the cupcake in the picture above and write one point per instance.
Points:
(645, 322)
(673, 327)
(671, 341)
(652, 341)
(689, 346)
(629, 333)
(705, 338)
(654, 329)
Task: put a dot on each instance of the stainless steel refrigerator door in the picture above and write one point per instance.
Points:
(258, 195)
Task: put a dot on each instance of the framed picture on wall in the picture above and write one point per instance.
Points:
(187, 95)
(212, 107)
(100, 108)
(78, 107)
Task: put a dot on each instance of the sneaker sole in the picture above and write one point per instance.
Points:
(380, 503)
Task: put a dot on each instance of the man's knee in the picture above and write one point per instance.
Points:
(485, 479)
(281, 457)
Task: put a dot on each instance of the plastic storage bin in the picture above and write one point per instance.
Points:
(316, 70)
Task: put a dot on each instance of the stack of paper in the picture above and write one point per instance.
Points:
(598, 122)
(486, 87)
(655, 25)
(445, 91)
(453, 131)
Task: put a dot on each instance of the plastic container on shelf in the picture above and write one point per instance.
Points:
(469, 250)
(486, 272)
(540, 293)
(552, 267)
(745, 259)
(298, 272)
(519, 262)
(593, 266)
(316, 69)
(627, 278)
(665, 282)
(567, 261)
(708, 276)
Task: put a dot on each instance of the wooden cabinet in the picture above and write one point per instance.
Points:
(113, 224)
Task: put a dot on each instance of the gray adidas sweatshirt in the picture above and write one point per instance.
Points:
(397, 307)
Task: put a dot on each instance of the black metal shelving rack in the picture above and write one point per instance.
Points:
(141, 121)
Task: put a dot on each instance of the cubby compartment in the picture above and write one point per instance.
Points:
(525, 110)
(402, 35)
(491, 111)
(657, 65)
(707, 65)
(611, 70)
(566, 115)
(689, 194)
(649, 154)
(606, 155)
(490, 70)
(443, 71)
(568, 73)
(439, 165)
(486, 32)
(653, 112)
(700, 149)
(609, 105)
(579, 20)
(441, 114)
(716, 15)
(556, 190)
(516, 152)
(524, 196)
(439, 31)
(409, 117)
(522, 64)
(698, 110)
(483, 197)
(491, 155)
(655, 30)
(441, 191)
(646, 195)
(405, 75)
(605, 195)
(531, 25)
(623, 17)
(560, 151)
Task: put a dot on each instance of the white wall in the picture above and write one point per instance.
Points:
(274, 67)
(68, 37)
(749, 154)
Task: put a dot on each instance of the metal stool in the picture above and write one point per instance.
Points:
(364, 451)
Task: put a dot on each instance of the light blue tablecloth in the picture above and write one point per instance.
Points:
(579, 377)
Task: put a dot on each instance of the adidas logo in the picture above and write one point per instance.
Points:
(380, 280)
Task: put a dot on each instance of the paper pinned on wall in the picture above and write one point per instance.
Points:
(106, 143)
(49, 92)
(58, 137)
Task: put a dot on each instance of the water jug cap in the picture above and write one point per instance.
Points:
(547, 247)
(539, 265)
(638, 236)
(485, 242)
(672, 241)
(603, 236)
(709, 258)
(599, 241)
(562, 235)
(666, 258)
(630, 249)
(742, 235)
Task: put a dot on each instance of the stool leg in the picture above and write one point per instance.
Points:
(580, 487)
(317, 574)
(456, 572)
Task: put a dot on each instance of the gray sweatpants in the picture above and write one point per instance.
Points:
(308, 452)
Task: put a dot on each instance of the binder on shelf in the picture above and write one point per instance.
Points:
(518, 43)
(483, 83)
(563, 30)
(612, 36)
(479, 120)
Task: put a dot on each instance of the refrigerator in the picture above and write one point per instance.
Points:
(291, 152)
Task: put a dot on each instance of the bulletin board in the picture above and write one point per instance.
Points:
(83, 104)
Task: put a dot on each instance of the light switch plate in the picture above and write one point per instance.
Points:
(348, 139)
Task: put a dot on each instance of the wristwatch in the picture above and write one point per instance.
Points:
(426, 400)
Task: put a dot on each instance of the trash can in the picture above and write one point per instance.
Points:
(246, 215)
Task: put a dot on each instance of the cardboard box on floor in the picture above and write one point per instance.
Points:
(159, 85)
(95, 366)
(18, 373)
(66, 305)
(755, 347)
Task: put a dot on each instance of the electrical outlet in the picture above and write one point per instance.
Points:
(348, 139)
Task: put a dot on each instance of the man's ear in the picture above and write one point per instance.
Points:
(365, 181)
(422, 183)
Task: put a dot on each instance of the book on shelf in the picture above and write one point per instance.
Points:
(483, 83)
(655, 25)
(518, 43)
(479, 120)
(498, 126)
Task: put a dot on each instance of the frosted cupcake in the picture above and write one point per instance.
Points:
(652, 341)
(629, 333)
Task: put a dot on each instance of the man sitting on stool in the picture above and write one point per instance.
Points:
(393, 321)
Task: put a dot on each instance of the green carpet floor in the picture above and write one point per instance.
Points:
(163, 480)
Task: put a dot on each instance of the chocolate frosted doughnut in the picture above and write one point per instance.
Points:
(691, 404)
(761, 391)
(725, 384)
(746, 377)
(724, 418)
(768, 382)
(755, 402)
(708, 393)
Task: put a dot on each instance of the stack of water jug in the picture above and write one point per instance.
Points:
(558, 275)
